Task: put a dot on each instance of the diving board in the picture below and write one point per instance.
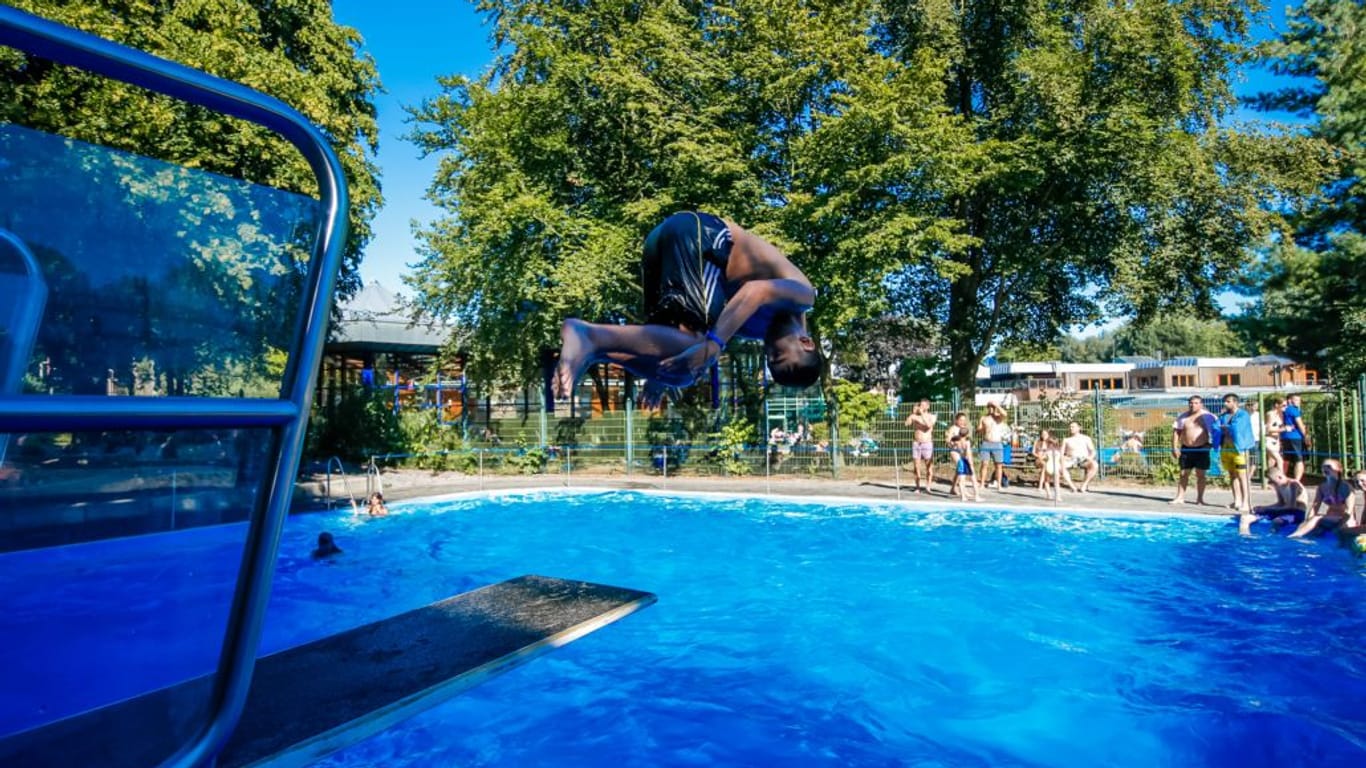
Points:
(308, 701)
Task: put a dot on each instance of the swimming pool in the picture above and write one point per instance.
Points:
(843, 633)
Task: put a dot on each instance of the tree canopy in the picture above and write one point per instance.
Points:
(1310, 288)
(1004, 171)
(289, 49)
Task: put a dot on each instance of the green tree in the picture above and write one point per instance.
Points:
(597, 120)
(1179, 336)
(1101, 175)
(1310, 305)
(289, 49)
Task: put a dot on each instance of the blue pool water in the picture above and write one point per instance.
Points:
(790, 633)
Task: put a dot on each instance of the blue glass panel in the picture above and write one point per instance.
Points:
(160, 279)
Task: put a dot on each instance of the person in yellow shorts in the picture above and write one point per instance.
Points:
(1235, 440)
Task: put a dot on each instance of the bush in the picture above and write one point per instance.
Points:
(731, 443)
(359, 426)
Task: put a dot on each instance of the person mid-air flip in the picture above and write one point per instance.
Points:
(706, 280)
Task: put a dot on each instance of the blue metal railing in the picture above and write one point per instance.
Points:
(287, 416)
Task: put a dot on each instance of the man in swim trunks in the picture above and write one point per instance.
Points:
(1294, 437)
(706, 280)
(1079, 450)
(922, 421)
(992, 428)
(1235, 426)
(1193, 437)
(1291, 501)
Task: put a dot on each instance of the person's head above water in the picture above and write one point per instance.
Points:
(326, 546)
(792, 356)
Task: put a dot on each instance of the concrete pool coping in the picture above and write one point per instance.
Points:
(1141, 501)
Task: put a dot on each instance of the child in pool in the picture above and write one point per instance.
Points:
(327, 547)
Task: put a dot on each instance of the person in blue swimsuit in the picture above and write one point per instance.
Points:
(706, 280)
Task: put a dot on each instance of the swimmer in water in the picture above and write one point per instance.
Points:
(326, 547)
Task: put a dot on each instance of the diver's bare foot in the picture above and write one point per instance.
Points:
(1178, 500)
(575, 351)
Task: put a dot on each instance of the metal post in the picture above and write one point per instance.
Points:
(1342, 424)
(768, 471)
(481, 469)
(664, 467)
(1099, 418)
(1361, 427)
(545, 406)
(1261, 444)
(1057, 475)
(440, 412)
(897, 462)
(630, 410)
(568, 465)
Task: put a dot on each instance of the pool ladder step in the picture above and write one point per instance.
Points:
(309, 701)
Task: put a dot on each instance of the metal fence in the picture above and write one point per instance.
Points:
(790, 437)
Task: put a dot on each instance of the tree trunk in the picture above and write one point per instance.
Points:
(965, 348)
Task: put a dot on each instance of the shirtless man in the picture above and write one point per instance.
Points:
(1291, 501)
(1193, 437)
(1079, 450)
(922, 422)
(706, 280)
(992, 428)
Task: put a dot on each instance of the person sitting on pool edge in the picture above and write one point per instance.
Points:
(1292, 501)
(706, 280)
(1335, 496)
(1352, 533)
(326, 547)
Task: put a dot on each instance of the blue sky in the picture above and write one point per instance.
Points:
(415, 41)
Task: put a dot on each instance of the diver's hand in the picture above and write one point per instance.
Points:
(652, 394)
(691, 363)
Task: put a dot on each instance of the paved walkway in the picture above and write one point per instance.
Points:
(411, 483)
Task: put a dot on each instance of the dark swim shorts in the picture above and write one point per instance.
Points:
(1195, 458)
(1292, 450)
(683, 272)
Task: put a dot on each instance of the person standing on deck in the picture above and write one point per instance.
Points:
(1235, 424)
(922, 421)
(992, 428)
(1294, 438)
(1194, 435)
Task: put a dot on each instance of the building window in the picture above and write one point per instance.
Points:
(1183, 380)
(1085, 383)
(1230, 379)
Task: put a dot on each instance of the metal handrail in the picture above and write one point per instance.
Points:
(374, 483)
(346, 485)
(58, 43)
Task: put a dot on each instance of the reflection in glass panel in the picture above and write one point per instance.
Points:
(64, 488)
(160, 279)
(95, 610)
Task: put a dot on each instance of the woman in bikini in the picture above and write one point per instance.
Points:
(1046, 455)
(1334, 497)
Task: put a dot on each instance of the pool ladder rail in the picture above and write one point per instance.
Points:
(346, 485)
